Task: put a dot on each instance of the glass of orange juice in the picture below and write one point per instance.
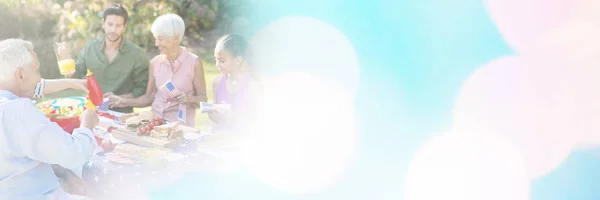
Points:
(66, 63)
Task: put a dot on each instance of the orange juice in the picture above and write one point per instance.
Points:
(66, 66)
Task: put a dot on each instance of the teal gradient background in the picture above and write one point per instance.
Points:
(414, 56)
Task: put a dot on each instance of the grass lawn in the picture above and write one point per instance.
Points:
(202, 121)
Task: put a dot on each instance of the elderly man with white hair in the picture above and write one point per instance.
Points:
(29, 142)
(175, 68)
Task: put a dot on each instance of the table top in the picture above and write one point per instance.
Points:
(105, 179)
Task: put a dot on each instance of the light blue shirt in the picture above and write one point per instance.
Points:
(29, 143)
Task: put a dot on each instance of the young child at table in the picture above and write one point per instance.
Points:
(238, 85)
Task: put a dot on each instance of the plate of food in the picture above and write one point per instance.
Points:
(147, 124)
(127, 153)
(148, 130)
(67, 107)
(63, 111)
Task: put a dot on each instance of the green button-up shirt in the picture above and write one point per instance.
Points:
(127, 73)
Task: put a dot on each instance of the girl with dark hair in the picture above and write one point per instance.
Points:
(237, 86)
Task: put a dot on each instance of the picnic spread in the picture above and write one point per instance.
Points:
(136, 151)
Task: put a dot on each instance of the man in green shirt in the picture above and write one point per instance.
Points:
(120, 66)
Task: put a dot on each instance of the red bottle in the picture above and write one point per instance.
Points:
(95, 94)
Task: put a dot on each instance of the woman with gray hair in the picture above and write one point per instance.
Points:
(176, 83)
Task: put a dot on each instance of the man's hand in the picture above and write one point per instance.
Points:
(116, 101)
(89, 119)
(108, 95)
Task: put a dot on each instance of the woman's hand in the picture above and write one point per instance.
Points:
(182, 98)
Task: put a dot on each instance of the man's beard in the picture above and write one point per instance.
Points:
(116, 39)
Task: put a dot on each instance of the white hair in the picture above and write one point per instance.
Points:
(14, 54)
(169, 25)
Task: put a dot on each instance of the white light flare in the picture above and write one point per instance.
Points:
(509, 98)
(304, 44)
(305, 134)
(467, 167)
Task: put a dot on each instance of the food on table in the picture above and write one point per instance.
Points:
(146, 115)
(45, 108)
(129, 150)
(133, 122)
(166, 128)
(154, 127)
(123, 118)
(68, 107)
(64, 112)
(64, 102)
(147, 128)
(70, 111)
(132, 154)
(167, 131)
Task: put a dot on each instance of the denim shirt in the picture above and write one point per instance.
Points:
(30, 143)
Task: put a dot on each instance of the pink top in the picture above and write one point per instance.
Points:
(182, 76)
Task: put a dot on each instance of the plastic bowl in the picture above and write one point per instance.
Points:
(70, 124)
(67, 124)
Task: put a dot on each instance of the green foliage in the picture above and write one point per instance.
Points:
(45, 22)
(82, 22)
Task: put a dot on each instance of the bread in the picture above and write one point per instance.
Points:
(166, 128)
(166, 132)
(133, 121)
(146, 115)
(123, 118)
(129, 150)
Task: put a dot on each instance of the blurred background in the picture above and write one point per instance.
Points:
(413, 57)
(45, 22)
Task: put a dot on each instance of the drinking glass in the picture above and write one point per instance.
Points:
(64, 56)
